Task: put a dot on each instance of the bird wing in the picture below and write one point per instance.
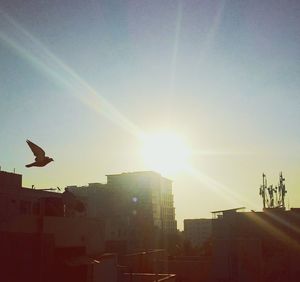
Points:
(36, 150)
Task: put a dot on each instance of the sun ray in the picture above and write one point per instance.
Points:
(220, 189)
(213, 29)
(32, 50)
(175, 47)
(276, 232)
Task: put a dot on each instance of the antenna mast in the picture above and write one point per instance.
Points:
(262, 190)
(267, 193)
(282, 191)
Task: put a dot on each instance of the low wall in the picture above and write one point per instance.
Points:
(148, 277)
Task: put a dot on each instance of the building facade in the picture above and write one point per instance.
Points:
(197, 231)
(48, 236)
(38, 240)
(16, 200)
(151, 192)
(138, 208)
(256, 246)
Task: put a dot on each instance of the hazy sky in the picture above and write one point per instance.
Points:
(84, 78)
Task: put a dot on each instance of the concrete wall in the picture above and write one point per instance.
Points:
(106, 270)
(67, 231)
(189, 270)
(146, 262)
(256, 246)
(148, 277)
(23, 201)
(197, 231)
(237, 259)
(26, 257)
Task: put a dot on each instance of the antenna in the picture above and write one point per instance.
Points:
(262, 190)
(267, 193)
(282, 189)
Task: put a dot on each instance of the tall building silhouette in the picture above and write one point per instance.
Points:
(138, 208)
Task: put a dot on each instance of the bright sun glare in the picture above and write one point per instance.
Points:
(166, 153)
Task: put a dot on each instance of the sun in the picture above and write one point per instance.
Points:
(166, 153)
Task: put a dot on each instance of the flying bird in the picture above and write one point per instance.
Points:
(40, 157)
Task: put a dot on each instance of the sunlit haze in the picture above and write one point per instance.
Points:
(211, 86)
(165, 152)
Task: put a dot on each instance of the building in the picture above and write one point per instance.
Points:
(16, 200)
(39, 241)
(197, 231)
(150, 188)
(138, 208)
(48, 236)
(256, 246)
(191, 268)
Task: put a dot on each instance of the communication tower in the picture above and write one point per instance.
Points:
(273, 196)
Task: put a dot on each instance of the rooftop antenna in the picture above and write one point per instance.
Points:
(267, 193)
(271, 191)
(262, 190)
(282, 190)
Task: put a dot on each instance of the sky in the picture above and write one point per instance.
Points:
(84, 80)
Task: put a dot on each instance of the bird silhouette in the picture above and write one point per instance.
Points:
(40, 158)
